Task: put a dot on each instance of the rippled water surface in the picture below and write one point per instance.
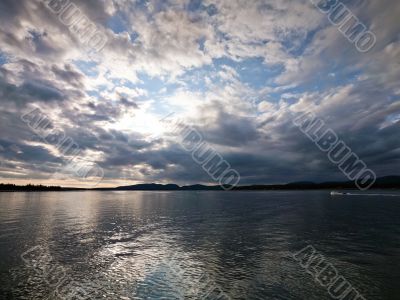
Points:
(194, 245)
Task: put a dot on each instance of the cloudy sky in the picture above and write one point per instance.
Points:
(238, 71)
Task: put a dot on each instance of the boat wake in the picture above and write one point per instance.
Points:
(359, 194)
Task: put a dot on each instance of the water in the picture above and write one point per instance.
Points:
(180, 245)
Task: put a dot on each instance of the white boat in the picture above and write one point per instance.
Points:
(334, 193)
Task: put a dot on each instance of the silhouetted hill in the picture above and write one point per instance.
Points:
(389, 182)
(199, 187)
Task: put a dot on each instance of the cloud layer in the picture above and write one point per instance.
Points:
(238, 71)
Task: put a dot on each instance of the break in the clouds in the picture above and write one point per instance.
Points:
(239, 71)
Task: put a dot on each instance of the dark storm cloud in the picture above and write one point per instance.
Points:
(29, 92)
(127, 151)
(9, 9)
(69, 75)
(42, 91)
(26, 153)
(128, 103)
(231, 130)
(32, 83)
(100, 112)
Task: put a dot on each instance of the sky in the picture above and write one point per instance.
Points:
(238, 71)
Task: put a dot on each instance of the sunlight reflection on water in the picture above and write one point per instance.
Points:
(149, 245)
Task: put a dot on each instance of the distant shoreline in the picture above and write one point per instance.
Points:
(383, 183)
(205, 190)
